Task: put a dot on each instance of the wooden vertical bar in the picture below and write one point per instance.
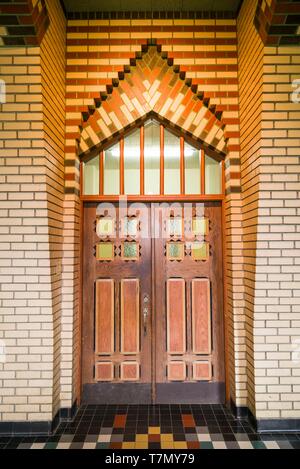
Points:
(122, 169)
(101, 174)
(202, 172)
(182, 167)
(142, 162)
(162, 160)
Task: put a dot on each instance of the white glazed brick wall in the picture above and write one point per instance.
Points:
(270, 142)
(31, 199)
(277, 282)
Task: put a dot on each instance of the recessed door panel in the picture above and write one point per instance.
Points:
(130, 316)
(176, 322)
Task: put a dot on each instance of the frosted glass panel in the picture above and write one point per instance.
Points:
(112, 170)
(192, 170)
(91, 177)
(152, 158)
(213, 176)
(132, 155)
(172, 164)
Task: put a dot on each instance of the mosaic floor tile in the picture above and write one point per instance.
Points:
(166, 427)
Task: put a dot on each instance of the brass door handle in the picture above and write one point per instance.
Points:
(145, 314)
(146, 301)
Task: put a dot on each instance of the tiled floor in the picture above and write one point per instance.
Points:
(155, 427)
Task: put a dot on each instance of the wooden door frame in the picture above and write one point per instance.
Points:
(79, 384)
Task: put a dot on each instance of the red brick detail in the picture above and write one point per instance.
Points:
(152, 85)
(274, 26)
(32, 22)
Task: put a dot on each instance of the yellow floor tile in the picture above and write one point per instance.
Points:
(128, 445)
(141, 438)
(180, 445)
(141, 445)
(166, 437)
(167, 445)
(154, 430)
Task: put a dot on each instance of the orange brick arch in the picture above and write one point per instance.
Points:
(151, 84)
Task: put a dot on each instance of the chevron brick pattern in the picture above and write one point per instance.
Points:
(196, 57)
(154, 85)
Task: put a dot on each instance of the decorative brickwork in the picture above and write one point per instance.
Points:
(200, 56)
(278, 22)
(23, 23)
(151, 84)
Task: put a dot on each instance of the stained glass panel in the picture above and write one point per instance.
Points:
(130, 251)
(105, 227)
(105, 252)
(200, 251)
(130, 227)
(175, 227)
(175, 251)
(200, 226)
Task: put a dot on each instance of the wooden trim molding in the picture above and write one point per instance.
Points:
(105, 316)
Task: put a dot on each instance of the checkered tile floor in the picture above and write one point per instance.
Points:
(155, 427)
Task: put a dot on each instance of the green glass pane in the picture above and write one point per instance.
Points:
(175, 250)
(152, 158)
(105, 227)
(91, 180)
(172, 164)
(132, 163)
(130, 250)
(105, 251)
(130, 227)
(213, 176)
(192, 170)
(200, 251)
(200, 226)
(112, 170)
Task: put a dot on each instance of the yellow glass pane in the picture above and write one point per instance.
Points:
(200, 226)
(105, 252)
(200, 251)
(105, 227)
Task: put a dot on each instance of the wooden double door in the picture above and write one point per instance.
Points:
(152, 312)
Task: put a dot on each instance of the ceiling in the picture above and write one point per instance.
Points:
(151, 5)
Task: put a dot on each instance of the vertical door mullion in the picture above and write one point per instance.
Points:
(142, 160)
(162, 160)
(122, 169)
(182, 168)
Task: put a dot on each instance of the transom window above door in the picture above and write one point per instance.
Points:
(152, 161)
